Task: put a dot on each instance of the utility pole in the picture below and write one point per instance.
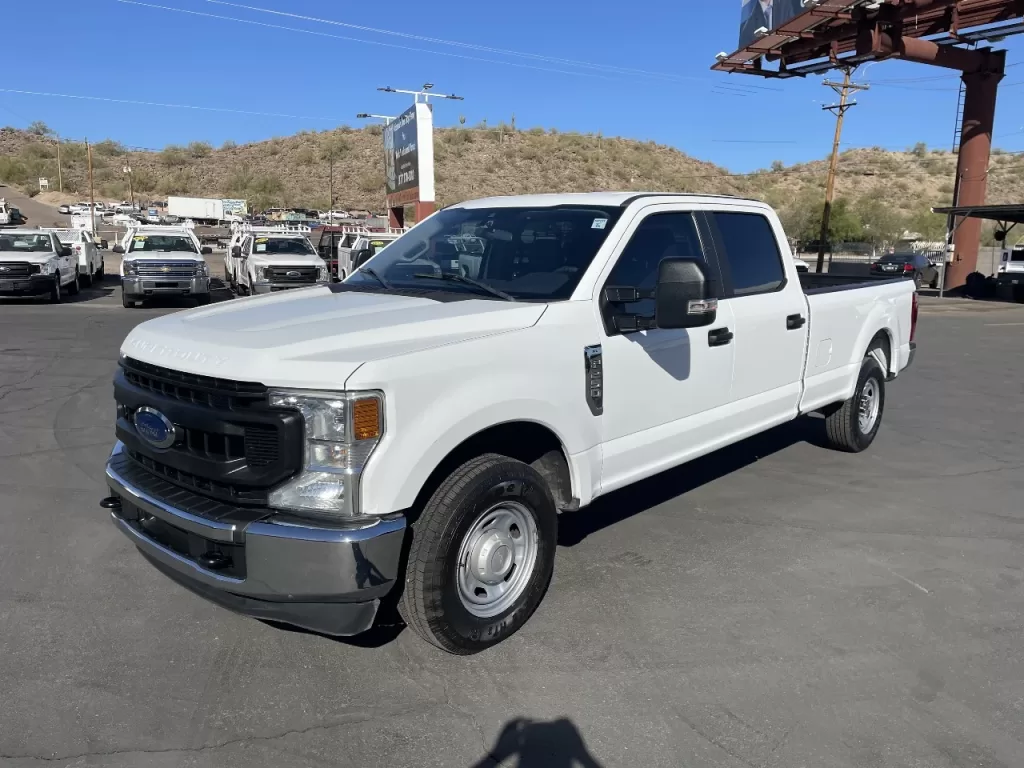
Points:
(330, 157)
(128, 172)
(92, 196)
(60, 176)
(839, 110)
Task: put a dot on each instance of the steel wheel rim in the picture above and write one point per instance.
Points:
(870, 401)
(496, 560)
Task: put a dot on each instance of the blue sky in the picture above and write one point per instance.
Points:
(646, 74)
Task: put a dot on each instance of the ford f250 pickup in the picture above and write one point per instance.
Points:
(412, 433)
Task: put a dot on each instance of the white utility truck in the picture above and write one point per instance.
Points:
(85, 250)
(36, 263)
(270, 259)
(412, 433)
(163, 261)
(10, 216)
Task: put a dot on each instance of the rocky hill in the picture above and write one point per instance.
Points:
(878, 191)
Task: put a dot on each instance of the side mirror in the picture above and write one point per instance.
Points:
(206, 251)
(118, 249)
(236, 251)
(65, 250)
(683, 296)
(103, 244)
(360, 257)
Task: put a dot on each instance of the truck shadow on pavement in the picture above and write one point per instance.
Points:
(574, 527)
(551, 744)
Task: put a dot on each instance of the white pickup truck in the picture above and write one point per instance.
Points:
(412, 433)
(271, 259)
(163, 261)
(85, 249)
(36, 263)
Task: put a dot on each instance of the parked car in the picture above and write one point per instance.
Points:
(163, 261)
(86, 250)
(287, 457)
(272, 259)
(65, 209)
(36, 263)
(917, 266)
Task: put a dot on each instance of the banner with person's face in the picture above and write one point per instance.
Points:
(766, 14)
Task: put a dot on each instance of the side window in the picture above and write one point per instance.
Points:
(659, 236)
(751, 252)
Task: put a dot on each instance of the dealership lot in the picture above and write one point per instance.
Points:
(774, 604)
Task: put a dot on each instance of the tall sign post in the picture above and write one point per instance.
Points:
(409, 156)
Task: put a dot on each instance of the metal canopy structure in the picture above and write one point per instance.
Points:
(1004, 214)
(829, 34)
(841, 32)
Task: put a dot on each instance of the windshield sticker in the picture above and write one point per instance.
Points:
(599, 224)
(262, 239)
(261, 247)
(377, 243)
(140, 239)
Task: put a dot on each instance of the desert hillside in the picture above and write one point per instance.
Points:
(879, 192)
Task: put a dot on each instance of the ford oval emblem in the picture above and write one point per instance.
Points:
(153, 427)
(293, 274)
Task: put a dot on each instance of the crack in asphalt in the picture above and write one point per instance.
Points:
(363, 717)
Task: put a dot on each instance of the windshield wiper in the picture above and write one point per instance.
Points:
(457, 278)
(369, 271)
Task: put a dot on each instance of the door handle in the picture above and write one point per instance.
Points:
(795, 321)
(719, 337)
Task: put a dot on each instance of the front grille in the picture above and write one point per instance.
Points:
(169, 269)
(230, 444)
(291, 274)
(191, 388)
(16, 269)
(223, 491)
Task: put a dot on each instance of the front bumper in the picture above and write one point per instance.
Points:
(140, 287)
(1010, 278)
(326, 577)
(275, 287)
(32, 285)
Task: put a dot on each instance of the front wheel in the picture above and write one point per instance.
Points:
(126, 302)
(55, 296)
(852, 425)
(482, 555)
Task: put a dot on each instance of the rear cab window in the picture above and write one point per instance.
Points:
(749, 254)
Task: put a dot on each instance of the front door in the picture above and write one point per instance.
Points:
(661, 386)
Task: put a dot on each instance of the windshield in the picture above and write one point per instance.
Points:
(1017, 254)
(30, 243)
(283, 245)
(162, 243)
(529, 253)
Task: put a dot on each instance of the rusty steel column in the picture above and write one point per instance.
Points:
(980, 89)
(396, 217)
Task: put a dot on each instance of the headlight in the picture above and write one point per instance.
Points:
(203, 270)
(340, 431)
(324, 275)
(130, 268)
(263, 275)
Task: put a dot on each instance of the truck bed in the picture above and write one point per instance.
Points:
(814, 283)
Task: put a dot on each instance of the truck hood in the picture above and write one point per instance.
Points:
(286, 260)
(30, 257)
(314, 338)
(163, 256)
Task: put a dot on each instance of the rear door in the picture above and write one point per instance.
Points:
(662, 387)
(769, 310)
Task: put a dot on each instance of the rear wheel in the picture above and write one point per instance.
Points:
(482, 555)
(852, 425)
(73, 286)
(87, 277)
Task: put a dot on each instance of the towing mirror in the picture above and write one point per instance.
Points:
(683, 297)
(103, 244)
(360, 257)
(236, 251)
(118, 249)
(65, 250)
(206, 251)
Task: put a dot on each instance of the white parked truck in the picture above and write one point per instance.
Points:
(412, 433)
(36, 263)
(85, 249)
(271, 259)
(163, 261)
(10, 216)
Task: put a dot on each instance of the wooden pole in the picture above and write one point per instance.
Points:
(843, 89)
(92, 197)
(60, 176)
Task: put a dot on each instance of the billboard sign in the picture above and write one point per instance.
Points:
(409, 157)
(766, 14)
(235, 207)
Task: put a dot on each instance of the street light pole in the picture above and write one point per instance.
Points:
(425, 94)
(128, 171)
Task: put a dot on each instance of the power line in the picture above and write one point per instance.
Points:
(113, 100)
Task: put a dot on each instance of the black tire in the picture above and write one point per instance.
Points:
(74, 286)
(86, 278)
(918, 279)
(126, 302)
(102, 271)
(842, 425)
(203, 299)
(934, 283)
(1018, 294)
(55, 297)
(430, 603)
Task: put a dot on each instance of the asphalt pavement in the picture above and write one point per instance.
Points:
(775, 604)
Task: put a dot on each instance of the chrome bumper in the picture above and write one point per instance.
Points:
(152, 286)
(328, 578)
(275, 287)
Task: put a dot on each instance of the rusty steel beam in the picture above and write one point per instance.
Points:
(884, 45)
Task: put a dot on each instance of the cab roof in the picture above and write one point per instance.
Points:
(601, 199)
